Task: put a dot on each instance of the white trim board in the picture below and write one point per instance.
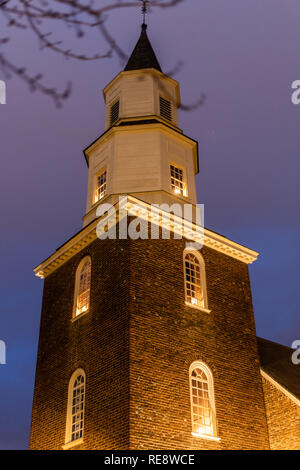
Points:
(280, 387)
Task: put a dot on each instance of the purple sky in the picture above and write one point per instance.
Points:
(244, 56)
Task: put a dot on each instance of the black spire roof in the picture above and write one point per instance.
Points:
(143, 56)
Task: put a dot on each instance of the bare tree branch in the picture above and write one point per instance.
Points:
(33, 82)
(80, 17)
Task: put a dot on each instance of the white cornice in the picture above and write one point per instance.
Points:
(66, 251)
(144, 210)
(160, 124)
(280, 387)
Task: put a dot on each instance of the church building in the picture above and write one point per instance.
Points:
(150, 343)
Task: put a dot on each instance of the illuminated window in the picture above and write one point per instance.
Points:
(177, 180)
(75, 410)
(101, 186)
(195, 283)
(114, 112)
(202, 400)
(82, 287)
(165, 108)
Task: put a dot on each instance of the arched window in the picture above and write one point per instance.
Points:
(82, 287)
(75, 410)
(195, 282)
(202, 400)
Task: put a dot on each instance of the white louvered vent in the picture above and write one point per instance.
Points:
(165, 108)
(114, 112)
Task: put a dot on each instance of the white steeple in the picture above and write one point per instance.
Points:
(142, 151)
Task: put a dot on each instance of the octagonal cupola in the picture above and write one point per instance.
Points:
(142, 91)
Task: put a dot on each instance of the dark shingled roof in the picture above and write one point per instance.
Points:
(143, 56)
(276, 361)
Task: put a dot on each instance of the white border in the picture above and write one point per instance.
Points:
(68, 443)
(202, 279)
(76, 288)
(211, 396)
(280, 387)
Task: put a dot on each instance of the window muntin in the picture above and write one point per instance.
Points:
(82, 287)
(75, 408)
(78, 408)
(165, 108)
(101, 186)
(177, 180)
(114, 112)
(194, 289)
(202, 400)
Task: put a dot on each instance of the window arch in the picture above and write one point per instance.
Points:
(194, 279)
(82, 287)
(75, 410)
(202, 400)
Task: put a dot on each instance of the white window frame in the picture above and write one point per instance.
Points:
(77, 286)
(211, 397)
(96, 198)
(68, 436)
(184, 182)
(204, 306)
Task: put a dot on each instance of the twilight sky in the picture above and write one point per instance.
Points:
(243, 55)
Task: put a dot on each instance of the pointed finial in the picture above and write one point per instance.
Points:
(144, 11)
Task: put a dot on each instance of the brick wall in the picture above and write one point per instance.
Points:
(136, 345)
(166, 336)
(283, 417)
(97, 342)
